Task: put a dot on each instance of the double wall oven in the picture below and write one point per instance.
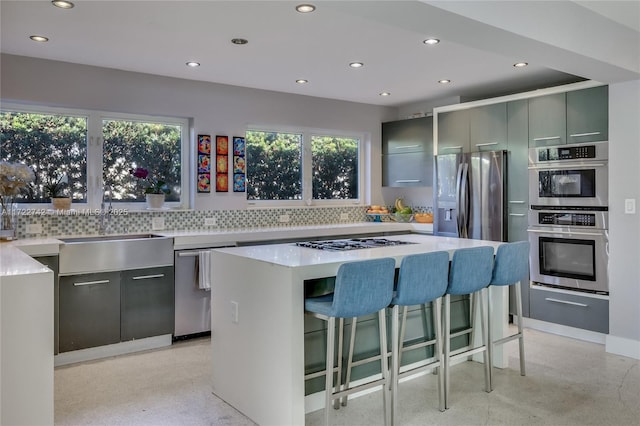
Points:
(568, 216)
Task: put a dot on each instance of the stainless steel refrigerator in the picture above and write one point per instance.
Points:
(470, 195)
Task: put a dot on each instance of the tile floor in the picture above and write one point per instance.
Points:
(568, 382)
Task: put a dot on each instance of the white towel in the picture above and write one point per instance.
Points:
(204, 270)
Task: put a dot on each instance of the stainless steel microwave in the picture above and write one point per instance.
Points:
(569, 175)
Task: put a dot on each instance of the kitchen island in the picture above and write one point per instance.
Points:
(257, 308)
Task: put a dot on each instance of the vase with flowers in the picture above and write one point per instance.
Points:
(155, 189)
(13, 178)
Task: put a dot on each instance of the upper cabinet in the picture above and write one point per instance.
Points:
(407, 152)
(453, 132)
(576, 116)
(547, 120)
(588, 115)
(488, 127)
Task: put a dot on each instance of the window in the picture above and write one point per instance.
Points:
(302, 166)
(90, 148)
(334, 162)
(52, 145)
(274, 166)
(131, 144)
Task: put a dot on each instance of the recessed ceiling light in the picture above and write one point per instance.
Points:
(193, 64)
(356, 64)
(385, 94)
(239, 41)
(63, 4)
(38, 38)
(431, 41)
(302, 81)
(444, 81)
(520, 64)
(305, 8)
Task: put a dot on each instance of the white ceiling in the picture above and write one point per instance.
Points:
(563, 41)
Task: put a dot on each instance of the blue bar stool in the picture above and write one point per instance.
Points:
(470, 273)
(361, 288)
(511, 267)
(422, 279)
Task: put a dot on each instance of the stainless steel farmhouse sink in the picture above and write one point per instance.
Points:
(103, 253)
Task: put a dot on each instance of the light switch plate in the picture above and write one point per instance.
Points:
(284, 218)
(34, 228)
(157, 223)
(234, 312)
(630, 206)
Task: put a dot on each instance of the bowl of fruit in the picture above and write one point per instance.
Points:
(376, 213)
(423, 217)
(402, 213)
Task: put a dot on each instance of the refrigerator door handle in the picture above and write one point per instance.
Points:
(462, 200)
(464, 195)
(459, 199)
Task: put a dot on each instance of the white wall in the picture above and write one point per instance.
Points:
(215, 108)
(624, 237)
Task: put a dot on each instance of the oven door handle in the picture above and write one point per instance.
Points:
(567, 166)
(541, 231)
(566, 302)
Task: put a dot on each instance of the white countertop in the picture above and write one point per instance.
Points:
(292, 256)
(198, 239)
(16, 262)
(14, 255)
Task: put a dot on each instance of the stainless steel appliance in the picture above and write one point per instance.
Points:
(568, 216)
(470, 196)
(569, 247)
(192, 303)
(569, 175)
(351, 244)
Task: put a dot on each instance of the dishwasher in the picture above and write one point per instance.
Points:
(192, 304)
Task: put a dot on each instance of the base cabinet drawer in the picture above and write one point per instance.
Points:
(589, 313)
(147, 303)
(89, 311)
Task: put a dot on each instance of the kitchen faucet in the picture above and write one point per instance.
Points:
(105, 212)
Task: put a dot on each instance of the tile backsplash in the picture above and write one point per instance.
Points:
(122, 221)
(66, 223)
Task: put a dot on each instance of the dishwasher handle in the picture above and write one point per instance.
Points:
(188, 253)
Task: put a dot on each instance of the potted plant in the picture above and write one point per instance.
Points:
(56, 189)
(155, 189)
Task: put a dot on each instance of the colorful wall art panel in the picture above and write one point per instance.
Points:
(204, 163)
(239, 165)
(222, 163)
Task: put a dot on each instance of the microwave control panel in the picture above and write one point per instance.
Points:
(573, 219)
(567, 153)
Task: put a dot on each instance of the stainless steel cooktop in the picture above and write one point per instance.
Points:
(351, 244)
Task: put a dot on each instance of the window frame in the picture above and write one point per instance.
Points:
(95, 145)
(306, 164)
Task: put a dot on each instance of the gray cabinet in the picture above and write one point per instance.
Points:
(574, 310)
(147, 303)
(518, 174)
(547, 120)
(588, 115)
(518, 185)
(407, 152)
(488, 127)
(453, 132)
(89, 310)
